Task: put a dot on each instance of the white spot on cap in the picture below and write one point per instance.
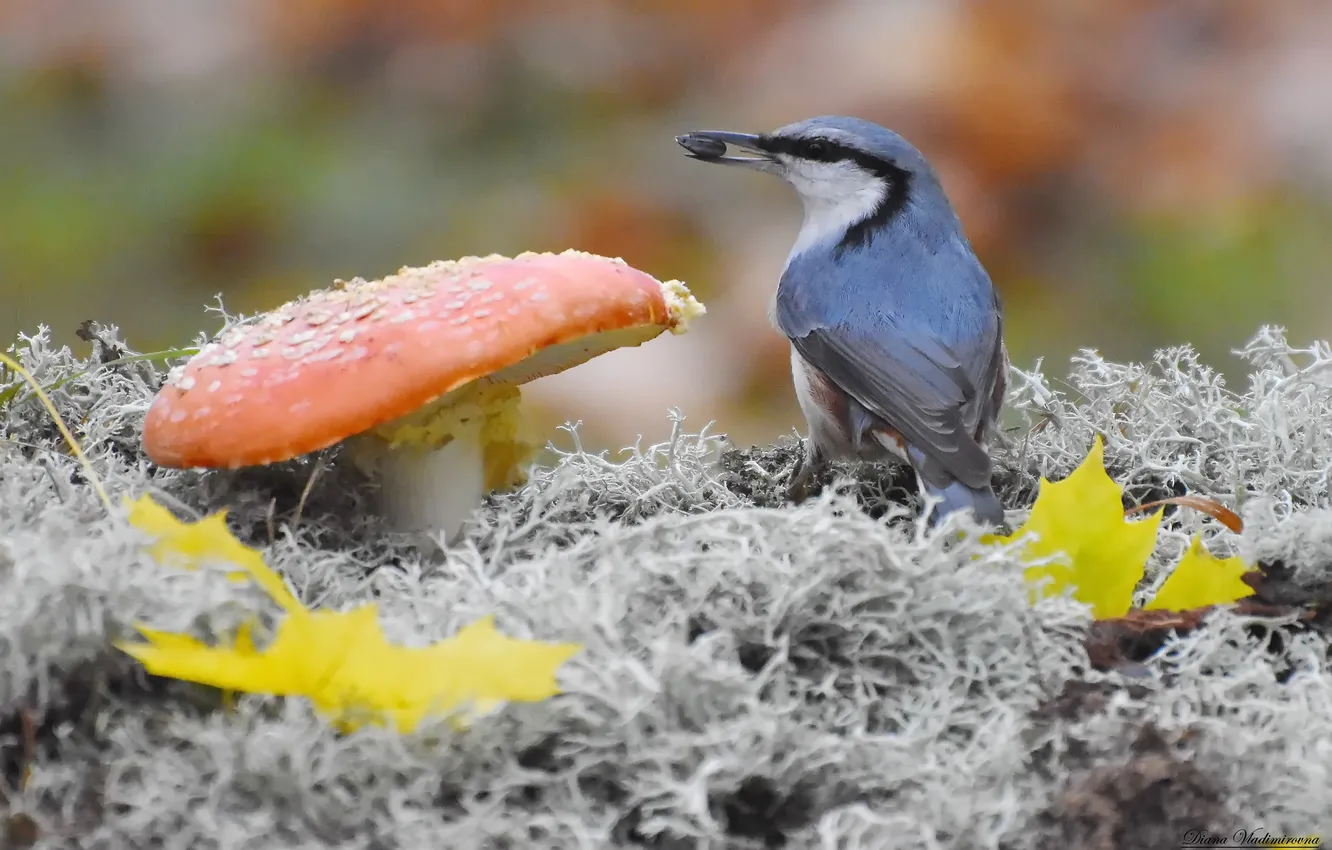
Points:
(347, 335)
(273, 379)
(303, 336)
(259, 353)
(214, 386)
(475, 348)
(326, 354)
(299, 406)
(538, 296)
(202, 412)
(525, 283)
(426, 327)
(249, 372)
(480, 285)
(481, 314)
(187, 383)
(404, 316)
(177, 416)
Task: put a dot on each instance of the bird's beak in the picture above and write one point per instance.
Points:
(710, 146)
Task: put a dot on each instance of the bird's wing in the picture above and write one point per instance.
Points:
(994, 380)
(915, 384)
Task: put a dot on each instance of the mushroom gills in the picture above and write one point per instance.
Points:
(566, 355)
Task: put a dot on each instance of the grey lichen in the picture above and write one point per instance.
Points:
(754, 674)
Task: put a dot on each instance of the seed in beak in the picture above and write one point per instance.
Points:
(701, 146)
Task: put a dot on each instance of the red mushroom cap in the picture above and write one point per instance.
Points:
(344, 360)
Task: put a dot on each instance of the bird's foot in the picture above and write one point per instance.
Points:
(800, 482)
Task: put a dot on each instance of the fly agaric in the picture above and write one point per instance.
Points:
(419, 372)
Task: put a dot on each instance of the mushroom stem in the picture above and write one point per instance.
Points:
(436, 465)
(432, 490)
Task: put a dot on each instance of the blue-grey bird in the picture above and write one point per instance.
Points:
(895, 327)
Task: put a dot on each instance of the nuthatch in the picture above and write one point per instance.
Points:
(896, 330)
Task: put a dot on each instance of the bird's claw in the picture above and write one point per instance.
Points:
(799, 480)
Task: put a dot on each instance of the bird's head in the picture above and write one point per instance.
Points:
(854, 177)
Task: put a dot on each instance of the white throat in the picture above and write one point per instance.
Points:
(836, 196)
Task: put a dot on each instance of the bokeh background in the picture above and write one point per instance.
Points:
(1134, 173)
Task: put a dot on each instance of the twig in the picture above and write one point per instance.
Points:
(305, 493)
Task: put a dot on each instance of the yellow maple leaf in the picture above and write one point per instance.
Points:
(341, 661)
(1079, 522)
(344, 664)
(190, 545)
(1199, 579)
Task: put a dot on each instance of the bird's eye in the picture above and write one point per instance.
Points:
(816, 149)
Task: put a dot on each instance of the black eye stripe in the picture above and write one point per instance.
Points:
(833, 151)
(898, 180)
(818, 149)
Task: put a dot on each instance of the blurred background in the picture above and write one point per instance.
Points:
(1134, 173)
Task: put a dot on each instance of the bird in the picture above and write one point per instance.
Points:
(895, 327)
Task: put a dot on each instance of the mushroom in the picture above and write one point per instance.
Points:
(419, 372)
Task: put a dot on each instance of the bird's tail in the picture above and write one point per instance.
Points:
(959, 497)
(956, 496)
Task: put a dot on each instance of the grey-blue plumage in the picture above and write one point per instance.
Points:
(895, 326)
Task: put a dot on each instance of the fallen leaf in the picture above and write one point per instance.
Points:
(190, 545)
(1079, 522)
(341, 661)
(1274, 582)
(1201, 579)
(346, 666)
(1140, 633)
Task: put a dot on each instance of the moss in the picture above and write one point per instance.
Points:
(755, 673)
